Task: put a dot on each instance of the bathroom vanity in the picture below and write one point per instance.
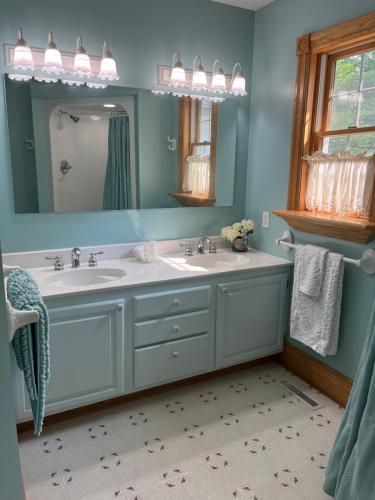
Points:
(124, 326)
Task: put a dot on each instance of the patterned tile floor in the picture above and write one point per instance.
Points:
(241, 436)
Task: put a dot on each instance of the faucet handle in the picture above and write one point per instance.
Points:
(93, 261)
(212, 248)
(188, 248)
(59, 264)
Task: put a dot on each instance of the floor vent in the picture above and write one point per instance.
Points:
(301, 395)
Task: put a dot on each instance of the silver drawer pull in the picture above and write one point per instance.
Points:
(174, 354)
(176, 328)
(177, 302)
(120, 307)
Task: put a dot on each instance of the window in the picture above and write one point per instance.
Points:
(349, 105)
(197, 161)
(332, 167)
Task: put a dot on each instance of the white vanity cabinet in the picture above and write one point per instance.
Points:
(111, 343)
(250, 318)
(87, 363)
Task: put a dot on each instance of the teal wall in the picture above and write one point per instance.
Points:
(273, 75)
(142, 34)
(10, 474)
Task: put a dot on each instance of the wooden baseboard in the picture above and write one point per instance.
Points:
(103, 405)
(327, 380)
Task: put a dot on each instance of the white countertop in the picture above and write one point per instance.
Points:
(165, 268)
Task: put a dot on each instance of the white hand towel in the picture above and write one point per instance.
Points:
(315, 320)
(311, 279)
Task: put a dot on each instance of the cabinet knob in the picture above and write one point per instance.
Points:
(225, 291)
(176, 328)
(120, 307)
(177, 302)
(174, 354)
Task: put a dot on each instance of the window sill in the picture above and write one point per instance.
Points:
(349, 228)
(189, 200)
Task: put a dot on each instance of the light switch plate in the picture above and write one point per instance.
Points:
(266, 220)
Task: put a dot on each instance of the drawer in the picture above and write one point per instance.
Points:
(170, 303)
(170, 361)
(173, 327)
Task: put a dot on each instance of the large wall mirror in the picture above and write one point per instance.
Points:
(76, 149)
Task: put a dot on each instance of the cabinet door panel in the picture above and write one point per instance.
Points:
(86, 347)
(250, 319)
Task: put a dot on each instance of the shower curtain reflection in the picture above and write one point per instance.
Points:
(117, 187)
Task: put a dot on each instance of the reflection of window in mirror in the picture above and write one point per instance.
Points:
(197, 155)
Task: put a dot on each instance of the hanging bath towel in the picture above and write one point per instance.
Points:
(31, 342)
(351, 469)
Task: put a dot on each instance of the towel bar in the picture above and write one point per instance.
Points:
(17, 318)
(366, 262)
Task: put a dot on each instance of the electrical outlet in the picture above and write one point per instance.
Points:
(266, 220)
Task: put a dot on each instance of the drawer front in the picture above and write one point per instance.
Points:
(170, 303)
(173, 327)
(170, 361)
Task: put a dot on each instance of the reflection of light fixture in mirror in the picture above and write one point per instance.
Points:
(22, 59)
(199, 81)
(178, 77)
(218, 83)
(52, 59)
(82, 64)
(96, 85)
(108, 70)
(109, 105)
(238, 86)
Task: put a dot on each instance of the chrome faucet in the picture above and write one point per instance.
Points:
(211, 245)
(76, 257)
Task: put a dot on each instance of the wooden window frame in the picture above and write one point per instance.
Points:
(311, 48)
(185, 148)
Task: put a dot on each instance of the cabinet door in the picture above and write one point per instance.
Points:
(250, 319)
(87, 357)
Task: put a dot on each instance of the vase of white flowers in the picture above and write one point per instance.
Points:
(238, 233)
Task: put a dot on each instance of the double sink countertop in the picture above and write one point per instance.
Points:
(119, 270)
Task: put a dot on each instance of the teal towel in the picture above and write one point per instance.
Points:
(117, 186)
(31, 342)
(351, 467)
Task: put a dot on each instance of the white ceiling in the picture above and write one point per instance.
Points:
(246, 4)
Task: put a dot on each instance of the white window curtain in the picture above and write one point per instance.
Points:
(197, 176)
(340, 183)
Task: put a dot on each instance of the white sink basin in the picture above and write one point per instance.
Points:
(85, 277)
(209, 261)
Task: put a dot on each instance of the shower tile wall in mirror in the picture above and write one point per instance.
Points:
(75, 149)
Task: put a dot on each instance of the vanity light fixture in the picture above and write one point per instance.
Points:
(238, 85)
(109, 105)
(218, 83)
(108, 69)
(52, 59)
(23, 59)
(178, 76)
(199, 81)
(82, 63)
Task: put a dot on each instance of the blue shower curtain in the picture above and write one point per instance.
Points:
(351, 468)
(117, 186)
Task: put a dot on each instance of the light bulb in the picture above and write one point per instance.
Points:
(52, 58)
(82, 63)
(238, 86)
(199, 81)
(108, 69)
(23, 57)
(218, 83)
(178, 76)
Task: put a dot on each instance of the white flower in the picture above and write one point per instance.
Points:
(247, 225)
(229, 233)
(237, 226)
